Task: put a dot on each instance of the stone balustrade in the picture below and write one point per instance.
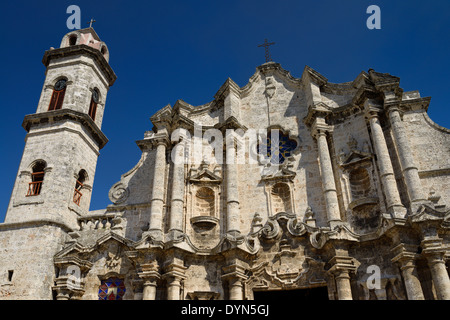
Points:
(96, 222)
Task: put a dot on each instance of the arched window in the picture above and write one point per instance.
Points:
(281, 198)
(58, 95)
(204, 202)
(82, 176)
(37, 177)
(93, 105)
(104, 51)
(72, 40)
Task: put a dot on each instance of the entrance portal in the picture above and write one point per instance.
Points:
(318, 293)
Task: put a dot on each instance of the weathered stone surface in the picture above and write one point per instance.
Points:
(359, 204)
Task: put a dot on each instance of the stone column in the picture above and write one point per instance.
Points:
(326, 170)
(173, 288)
(177, 198)
(149, 291)
(235, 288)
(173, 276)
(342, 266)
(63, 294)
(439, 275)
(433, 251)
(234, 274)
(409, 169)
(388, 183)
(232, 187)
(157, 197)
(344, 289)
(150, 276)
(405, 258)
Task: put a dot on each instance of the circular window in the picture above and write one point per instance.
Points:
(60, 85)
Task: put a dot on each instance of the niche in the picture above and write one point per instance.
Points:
(281, 198)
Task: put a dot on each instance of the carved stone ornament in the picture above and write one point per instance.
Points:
(118, 193)
(113, 259)
(270, 88)
(272, 228)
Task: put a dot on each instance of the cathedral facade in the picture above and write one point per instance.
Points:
(333, 191)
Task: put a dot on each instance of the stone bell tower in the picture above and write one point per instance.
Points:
(57, 170)
(56, 173)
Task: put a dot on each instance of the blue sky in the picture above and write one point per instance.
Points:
(162, 51)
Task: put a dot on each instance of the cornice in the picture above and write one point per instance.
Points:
(66, 114)
(82, 49)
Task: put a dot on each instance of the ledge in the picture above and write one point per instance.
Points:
(82, 49)
(204, 222)
(361, 202)
(66, 114)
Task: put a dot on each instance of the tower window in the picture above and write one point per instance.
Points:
(72, 40)
(37, 177)
(58, 95)
(82, 175)
(93, 105)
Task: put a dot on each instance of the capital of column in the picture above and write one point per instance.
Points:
(432, 249)
(372, 108)
(234, 272)
(235, 276)
(319, 128)
(149, 276)
(343, 265)
(153, 140)
(174, 272)
(405, 255)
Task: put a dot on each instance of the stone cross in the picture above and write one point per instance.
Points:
(266, 48)
(91, 22)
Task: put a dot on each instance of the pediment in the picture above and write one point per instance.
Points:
(276, 173)
(77, 248)
(204, 175)
(355, 157)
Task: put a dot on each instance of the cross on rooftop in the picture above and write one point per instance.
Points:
(91, 22)
(266, 45)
